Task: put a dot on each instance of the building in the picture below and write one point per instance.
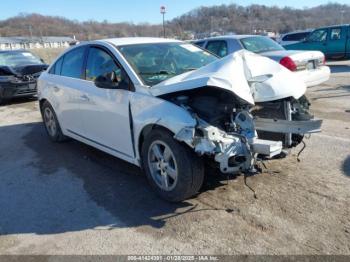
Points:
(19, 42)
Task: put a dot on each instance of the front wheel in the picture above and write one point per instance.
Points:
(172, 169)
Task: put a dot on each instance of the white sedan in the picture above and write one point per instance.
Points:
(307, 65)
(164, 104)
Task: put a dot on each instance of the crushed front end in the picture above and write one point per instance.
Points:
(232, 133)
(19, 82)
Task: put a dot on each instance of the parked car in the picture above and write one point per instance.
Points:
(293, 37)
(19, 71)
(307, 65)
(164, 105)
(333, 41)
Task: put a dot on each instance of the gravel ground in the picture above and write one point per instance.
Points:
(72, 199)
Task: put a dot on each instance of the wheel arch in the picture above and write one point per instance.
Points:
(41, 103)
(147, 130)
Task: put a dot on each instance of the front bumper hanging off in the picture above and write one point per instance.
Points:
(17, 89)
(288, 126)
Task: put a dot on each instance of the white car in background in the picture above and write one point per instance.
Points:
(165, 105)
(293, 37)
(307, 65)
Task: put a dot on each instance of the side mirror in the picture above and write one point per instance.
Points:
(107, 81)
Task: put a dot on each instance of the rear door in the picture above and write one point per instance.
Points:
(105, 112)
(65, 81)
(336, 44)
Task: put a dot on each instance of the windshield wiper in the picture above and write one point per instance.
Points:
(161, 72)
(189, 69)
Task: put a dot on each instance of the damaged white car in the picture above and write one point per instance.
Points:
(166, 105)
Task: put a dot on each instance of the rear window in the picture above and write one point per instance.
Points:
(296, 36)
(259, 44)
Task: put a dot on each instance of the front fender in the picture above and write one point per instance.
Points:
(147, 110)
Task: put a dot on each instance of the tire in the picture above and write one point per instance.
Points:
(51, 124)
(189, 170)
(2, 100)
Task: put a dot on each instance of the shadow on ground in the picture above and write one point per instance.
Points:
(335, 69)
(340, 91)
(18, 100)
(72, 187)
(346, 166)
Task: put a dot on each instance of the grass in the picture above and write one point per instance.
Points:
(48, 54)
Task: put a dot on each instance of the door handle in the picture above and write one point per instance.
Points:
(84, 98)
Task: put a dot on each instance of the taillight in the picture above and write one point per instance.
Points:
(288, 63)
(324, 60)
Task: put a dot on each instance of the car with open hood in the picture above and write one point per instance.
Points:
(166, 106)
(310, 66)
(19, 71)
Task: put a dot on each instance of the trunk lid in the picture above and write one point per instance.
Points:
(302, 59)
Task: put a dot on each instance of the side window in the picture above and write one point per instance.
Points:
(335, 33)
(236, 45)
(200, 44)
(73, 61)
(56, 68)
(100, 63)
(318, 35)
(218, 47)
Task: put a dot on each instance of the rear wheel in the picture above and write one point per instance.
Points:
(173, 170)
(51, 124)
(2, 100)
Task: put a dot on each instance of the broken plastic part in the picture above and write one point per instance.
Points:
(285, 126)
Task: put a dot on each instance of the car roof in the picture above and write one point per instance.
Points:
(299, 31)
(138, 40)
(332, 26)
(228, 37)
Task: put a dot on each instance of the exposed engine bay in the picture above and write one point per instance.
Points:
(235, 133)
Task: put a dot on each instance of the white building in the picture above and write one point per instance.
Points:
(12, 43)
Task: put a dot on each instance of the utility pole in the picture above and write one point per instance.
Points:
(341, 16)
(30, 31)
(163, 12)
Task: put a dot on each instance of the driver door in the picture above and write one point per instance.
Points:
(105, 111)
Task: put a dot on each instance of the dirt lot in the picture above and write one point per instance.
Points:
(72, 199)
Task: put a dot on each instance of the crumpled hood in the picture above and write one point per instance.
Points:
(233, 72)
(22, 70)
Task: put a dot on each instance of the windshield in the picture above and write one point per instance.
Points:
(14, 59)
(157, 62)
(259, 44)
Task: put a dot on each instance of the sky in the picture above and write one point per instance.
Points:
(136, 11)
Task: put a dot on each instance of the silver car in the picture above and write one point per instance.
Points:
(308, 65)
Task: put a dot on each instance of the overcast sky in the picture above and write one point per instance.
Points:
(129, 10)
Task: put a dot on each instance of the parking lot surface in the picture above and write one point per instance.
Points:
(72, 199)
